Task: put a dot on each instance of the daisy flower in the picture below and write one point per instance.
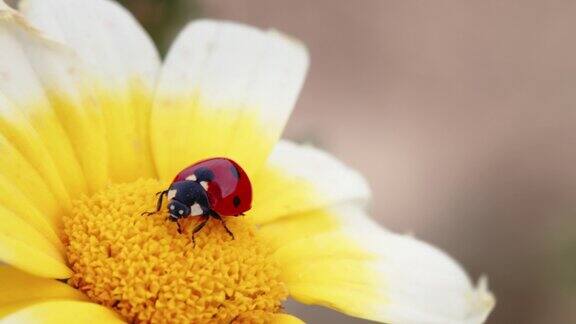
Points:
(92, 125)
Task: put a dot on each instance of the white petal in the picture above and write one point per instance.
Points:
(225, 90)
(368, 272)
(121, 62)
(301, 178)
(103, 33)
(424, 285)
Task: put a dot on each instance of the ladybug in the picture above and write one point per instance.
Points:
(210, 188)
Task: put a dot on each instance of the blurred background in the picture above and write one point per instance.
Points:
(460, 113)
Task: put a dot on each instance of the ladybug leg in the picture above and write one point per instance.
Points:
(179, 227)
(198, 228)
(218, 217)
(160, 195)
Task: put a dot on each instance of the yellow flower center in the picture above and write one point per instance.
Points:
(148, 272)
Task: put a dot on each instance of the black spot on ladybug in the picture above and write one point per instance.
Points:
(204, 174)
(236, 201)
(234, 172)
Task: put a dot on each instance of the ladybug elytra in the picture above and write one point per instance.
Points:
(211, 188)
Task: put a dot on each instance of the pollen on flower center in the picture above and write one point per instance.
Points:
(148, 272)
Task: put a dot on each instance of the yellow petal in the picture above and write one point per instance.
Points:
(286, 319)
(23, 247)
(67, 88)
(17, 172)
(14, 200)
(225, 90)
(329, 245)
(303, 192)
(28, 118)
(114, 77)
(7, 309)
(293, 227)
(368, 272)
(16, 130)
(18, 286)
(300, 179)
(345, 283)
(63, 311)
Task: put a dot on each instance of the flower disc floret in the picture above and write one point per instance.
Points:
(148, 272)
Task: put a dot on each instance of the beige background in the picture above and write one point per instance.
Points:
(461, 114)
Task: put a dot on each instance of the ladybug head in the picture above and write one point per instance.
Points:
(177, 210)
(187, 198)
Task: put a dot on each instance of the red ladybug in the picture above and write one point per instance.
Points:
(210, 188)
